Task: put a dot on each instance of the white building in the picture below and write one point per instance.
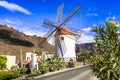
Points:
(66, 44)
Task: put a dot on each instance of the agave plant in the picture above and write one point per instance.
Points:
(43, 67)
(15, 69)
(21, 70)
(51, 65)
(61, 64)
(105, 62)
(35, 72)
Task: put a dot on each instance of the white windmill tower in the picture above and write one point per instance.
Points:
(65, 38)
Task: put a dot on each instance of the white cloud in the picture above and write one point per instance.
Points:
(88, 29)
(92, 14)
(33, 33)
(17, 24)
(14, 7)
(13, 26)
(13, 21)
(30, 31)
(85, 39)
(113, 17)
(10, 22)
(36, 26)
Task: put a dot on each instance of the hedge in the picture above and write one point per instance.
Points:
(5, 75)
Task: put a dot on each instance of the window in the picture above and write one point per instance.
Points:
(62, 38)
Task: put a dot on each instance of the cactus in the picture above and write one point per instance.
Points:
(21, 58)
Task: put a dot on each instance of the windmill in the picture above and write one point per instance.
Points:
(65, 38)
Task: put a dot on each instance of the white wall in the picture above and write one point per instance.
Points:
(68, 47)
(28, 54)
(11, 61)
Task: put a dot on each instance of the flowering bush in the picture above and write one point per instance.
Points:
(105, 62)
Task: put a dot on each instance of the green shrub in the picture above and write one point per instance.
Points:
(3, 61)
(105, 62)
(21, 70)
(51, 65)
(83, 56)
(4, 75)
(35, 72)
(15, 69)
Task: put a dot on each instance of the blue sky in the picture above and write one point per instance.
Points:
(27, 15)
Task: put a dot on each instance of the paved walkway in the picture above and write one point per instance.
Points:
(78, 73)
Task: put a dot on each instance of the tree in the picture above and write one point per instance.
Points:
(105, 62)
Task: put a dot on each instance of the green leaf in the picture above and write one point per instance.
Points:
(114, 65)
(108, 75)
(102, 68)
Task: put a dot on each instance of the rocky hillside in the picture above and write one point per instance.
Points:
(86, 47)
(12, 41)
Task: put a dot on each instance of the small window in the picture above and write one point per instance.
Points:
(62, 38)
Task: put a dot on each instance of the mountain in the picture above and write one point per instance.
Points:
(86, 47)
(12, 41)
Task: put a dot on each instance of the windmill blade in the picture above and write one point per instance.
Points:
(77, 33)
(59, 45)
(47, 40)
(59, 13)
(75, 30)
(70, 16)
(47, 47)
(74, 34)
(46, 37)
(48, 33)
(48, 24)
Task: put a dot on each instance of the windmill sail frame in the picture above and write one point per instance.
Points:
(61, 31)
